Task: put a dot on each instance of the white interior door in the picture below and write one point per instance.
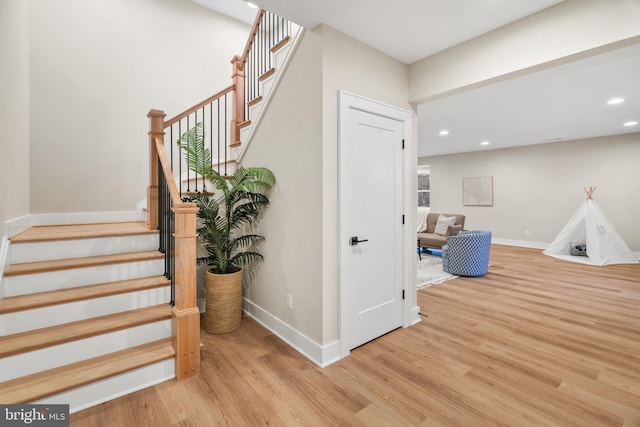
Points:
(371, 205)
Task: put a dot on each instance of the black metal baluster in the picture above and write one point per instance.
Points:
(161, 179)
(195, 174)
(218, 141)
(180, 159)
(211, 121)
(186, 165)
(172, 258)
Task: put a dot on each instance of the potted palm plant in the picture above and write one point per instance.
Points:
(224, 218)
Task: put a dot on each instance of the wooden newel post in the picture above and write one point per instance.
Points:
(156, 128)
(186, 316)
(238, 117)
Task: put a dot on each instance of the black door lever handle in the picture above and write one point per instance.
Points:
(355, 241)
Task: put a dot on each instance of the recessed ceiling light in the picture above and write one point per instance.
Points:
(444, 132)
(252, 5)
(614, 101)
(484, 143)
(631, 123)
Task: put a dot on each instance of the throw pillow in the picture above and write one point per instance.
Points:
(421, 221)
(443, 224)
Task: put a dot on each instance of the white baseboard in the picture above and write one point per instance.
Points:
(318, 354)
(16, 225)
(415, 315)
(521, 243)
(141, 205)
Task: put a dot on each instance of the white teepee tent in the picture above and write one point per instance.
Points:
(590, 227)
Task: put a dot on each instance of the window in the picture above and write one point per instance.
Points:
(424, 187)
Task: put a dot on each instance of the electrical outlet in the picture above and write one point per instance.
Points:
(290, 301)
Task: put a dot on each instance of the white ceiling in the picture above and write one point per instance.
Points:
(565, 102)
(236, 9)
(562, 103)
(407, 30)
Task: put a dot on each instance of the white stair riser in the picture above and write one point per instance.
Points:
(235, 152)
(189, 180)
(267, 84)
(229, 170)
(255, 110)
(281, 55)
(111, 388)
(77, 248)
(63, 279)
(28, 320)
(64, 354)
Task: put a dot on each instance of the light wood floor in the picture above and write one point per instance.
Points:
(536, 342)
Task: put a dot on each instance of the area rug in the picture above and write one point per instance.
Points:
(430, 271)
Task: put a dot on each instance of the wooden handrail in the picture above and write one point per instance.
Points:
(185, 313)
(254, 30)
(166, 167)
(209, 100)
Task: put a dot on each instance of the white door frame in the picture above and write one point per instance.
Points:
(348, 101)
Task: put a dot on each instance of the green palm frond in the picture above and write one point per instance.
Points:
(197, 156)
(246, 241)
(218, 181)
(248, 212)
(261, 180)
(238, 203)
(245, 258)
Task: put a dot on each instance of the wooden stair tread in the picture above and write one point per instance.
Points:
(218, 165)
(280, 44)
(60, 334)
(270, 72)
(66, 264)
(63, 296)
(44, 233)
(37, 386)
(253, 102)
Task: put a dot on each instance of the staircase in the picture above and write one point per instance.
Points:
(255, 77)
(87, 312)
(85, 315)
(268, 81)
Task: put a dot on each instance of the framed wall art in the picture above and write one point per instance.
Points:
(477, 191)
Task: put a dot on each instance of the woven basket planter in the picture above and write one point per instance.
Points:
(223, 302)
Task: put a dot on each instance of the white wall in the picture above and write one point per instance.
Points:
(14, 110)
(297, 139)
(572, 27)
(357, 68)
(539, 187)
(97, 68)
(289, 142)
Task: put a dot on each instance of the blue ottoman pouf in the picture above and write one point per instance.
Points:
(467, 253)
